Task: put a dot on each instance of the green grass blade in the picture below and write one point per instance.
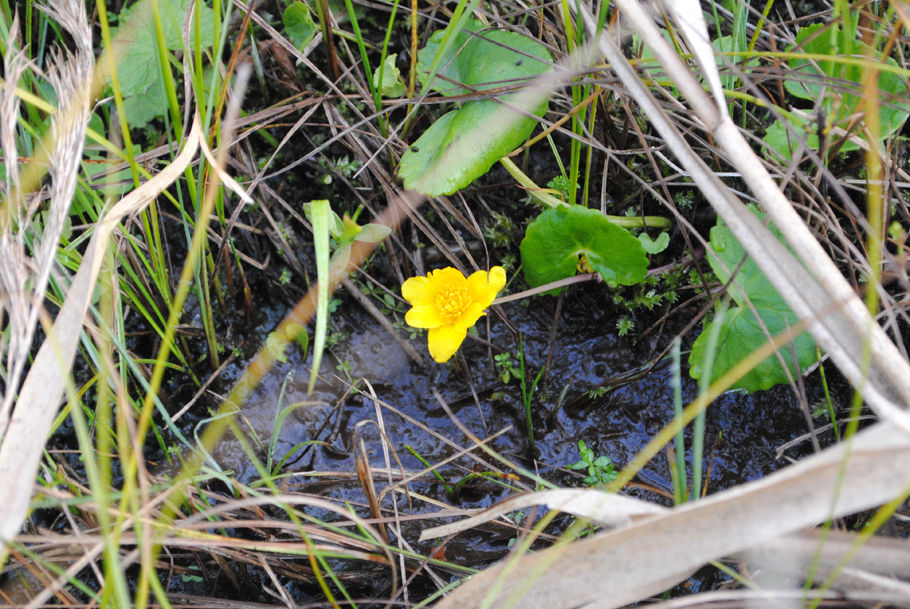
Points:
(320, 219)
(704, 384)
(117, 589)
(679, 475)
(361, 46)
(278, 422)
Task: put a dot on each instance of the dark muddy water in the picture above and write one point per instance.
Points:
(743, 435)
(743, 431)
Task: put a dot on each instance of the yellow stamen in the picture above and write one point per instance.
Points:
(451, 302)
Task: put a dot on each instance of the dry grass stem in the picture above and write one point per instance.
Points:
(312, 500)
(70, 74)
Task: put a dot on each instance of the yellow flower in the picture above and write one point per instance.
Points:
(447, 304)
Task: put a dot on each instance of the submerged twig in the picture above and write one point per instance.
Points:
(555, 285)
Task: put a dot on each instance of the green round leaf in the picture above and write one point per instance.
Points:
(741, 333)
(554, 242)
(750, 284)
(135, 48)
(299, 24)
(480, 59)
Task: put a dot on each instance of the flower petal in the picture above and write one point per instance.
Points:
(424, 316)
(445, 340)
(483, 286)
(418, 290)
(449, 277)
(471, 314)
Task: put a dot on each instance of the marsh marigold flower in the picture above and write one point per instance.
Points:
(447, 304)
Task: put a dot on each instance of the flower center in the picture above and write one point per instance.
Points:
(451, 303)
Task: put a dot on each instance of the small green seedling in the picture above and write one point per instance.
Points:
(507, 367)
(601, 470)
(561, 185)
(345, 231)
(299, 25)
(391, 85)
(527, 389)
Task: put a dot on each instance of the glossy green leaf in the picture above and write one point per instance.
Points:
(462, 145)
(557, 241)
(741, 333)
(478, 60)
(838, 86)
(299, 24)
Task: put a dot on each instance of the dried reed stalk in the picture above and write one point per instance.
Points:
(14, 264)
(70, 74)
(809, 282)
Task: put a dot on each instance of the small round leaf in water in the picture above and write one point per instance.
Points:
(556, 240)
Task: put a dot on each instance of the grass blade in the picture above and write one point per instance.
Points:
(320, 219)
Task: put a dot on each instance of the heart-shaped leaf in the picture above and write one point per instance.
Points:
(463, 144)
(654, 246)
(556, 241)
(740, 332)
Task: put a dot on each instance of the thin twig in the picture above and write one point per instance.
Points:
(547, 287)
